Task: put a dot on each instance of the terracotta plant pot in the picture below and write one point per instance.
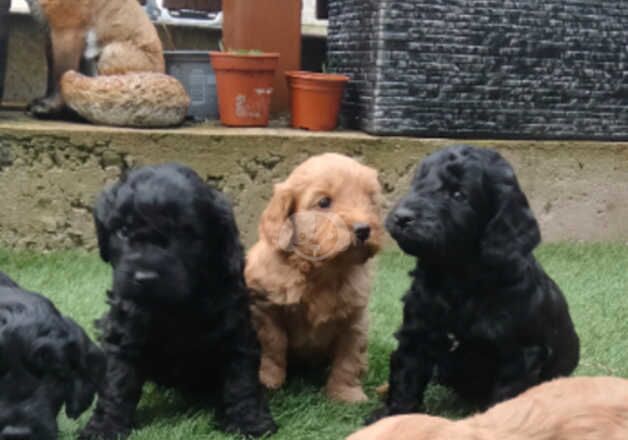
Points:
(315, 99)
(244, 83)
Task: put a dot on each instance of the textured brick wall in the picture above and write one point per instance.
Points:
(482, 68)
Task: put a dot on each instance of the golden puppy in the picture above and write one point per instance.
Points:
(308, 272)
(577, 408)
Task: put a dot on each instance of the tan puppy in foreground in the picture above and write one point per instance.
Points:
(308, 273)
(576, 408)
(115, 40)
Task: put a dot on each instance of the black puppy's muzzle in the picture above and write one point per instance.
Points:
(145, 277)
(143, 267)
(400, 219)
(16, 433)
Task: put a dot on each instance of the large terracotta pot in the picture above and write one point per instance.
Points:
(269, 26)
(244, 83)
(315, 99)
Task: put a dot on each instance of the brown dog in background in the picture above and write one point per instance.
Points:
(576, 408)
(309, 273)
(115, 40)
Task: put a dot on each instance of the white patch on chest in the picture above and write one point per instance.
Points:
(36, 11)
(92, 48)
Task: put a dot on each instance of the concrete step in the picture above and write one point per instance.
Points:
(50, 173)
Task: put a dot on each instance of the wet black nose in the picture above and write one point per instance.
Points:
(16, 433)
(145, 276)
(403, 217)
(362, 231)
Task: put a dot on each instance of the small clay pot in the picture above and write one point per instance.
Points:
(315, 99)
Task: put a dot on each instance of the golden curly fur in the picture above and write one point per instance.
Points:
(309, 274)
(577, 408)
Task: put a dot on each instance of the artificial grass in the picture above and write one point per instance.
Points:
(593, 276)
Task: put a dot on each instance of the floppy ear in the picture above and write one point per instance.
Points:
(225, 254)
(274, 227)
(102, 212)
(512, 229)
(88, 368)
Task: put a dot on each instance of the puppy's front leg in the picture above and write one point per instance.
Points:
(117, 402)
(274, 342)
(349, 361)
(244, 406)
(517, 372)
(411, 364)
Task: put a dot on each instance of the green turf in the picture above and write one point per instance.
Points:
(594, 278)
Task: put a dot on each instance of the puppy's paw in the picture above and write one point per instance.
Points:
(258, 426)
(271, 375)
(92, 432)
(346, 394)
(382, 390)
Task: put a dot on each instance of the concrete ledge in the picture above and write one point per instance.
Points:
(50, 173)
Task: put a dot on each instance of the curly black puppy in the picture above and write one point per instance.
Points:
(179, 312)
(481, 315)
(46, 360)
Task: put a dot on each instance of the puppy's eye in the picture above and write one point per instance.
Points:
(123, 233)
(325, 202)
(458, 195)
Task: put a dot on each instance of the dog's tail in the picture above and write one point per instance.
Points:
(143, 99)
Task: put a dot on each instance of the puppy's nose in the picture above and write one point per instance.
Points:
(403, 217)
(145, 276)
(16, 433)
(362, 231)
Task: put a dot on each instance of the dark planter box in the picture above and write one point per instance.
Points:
(196, 5)
(5, 5)
(488, 68)
(193, 69)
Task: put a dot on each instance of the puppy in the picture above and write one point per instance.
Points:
(309, 275)
(46, 361)
(481, 313)
(179, 312)
(577, 408)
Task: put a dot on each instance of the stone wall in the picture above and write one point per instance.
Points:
(50, 174)
(484, 68)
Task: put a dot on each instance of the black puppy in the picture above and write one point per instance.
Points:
(179, 312)
(481, 314)
(46, 360)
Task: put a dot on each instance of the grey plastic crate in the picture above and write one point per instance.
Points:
(193, 69)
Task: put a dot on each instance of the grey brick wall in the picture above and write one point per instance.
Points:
(483, 68)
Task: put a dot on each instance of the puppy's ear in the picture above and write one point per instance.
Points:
(512, 229)
(88, 366)
(225, 254)
(275, 227)
(102, 212)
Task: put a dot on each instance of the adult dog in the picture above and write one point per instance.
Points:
(309, 275)
(114, 43)
(46, 361)
(481, 312)
(576, 408)
(179, 312)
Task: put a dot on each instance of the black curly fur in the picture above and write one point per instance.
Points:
(481, 315)
(179, 311)
(46, 360)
